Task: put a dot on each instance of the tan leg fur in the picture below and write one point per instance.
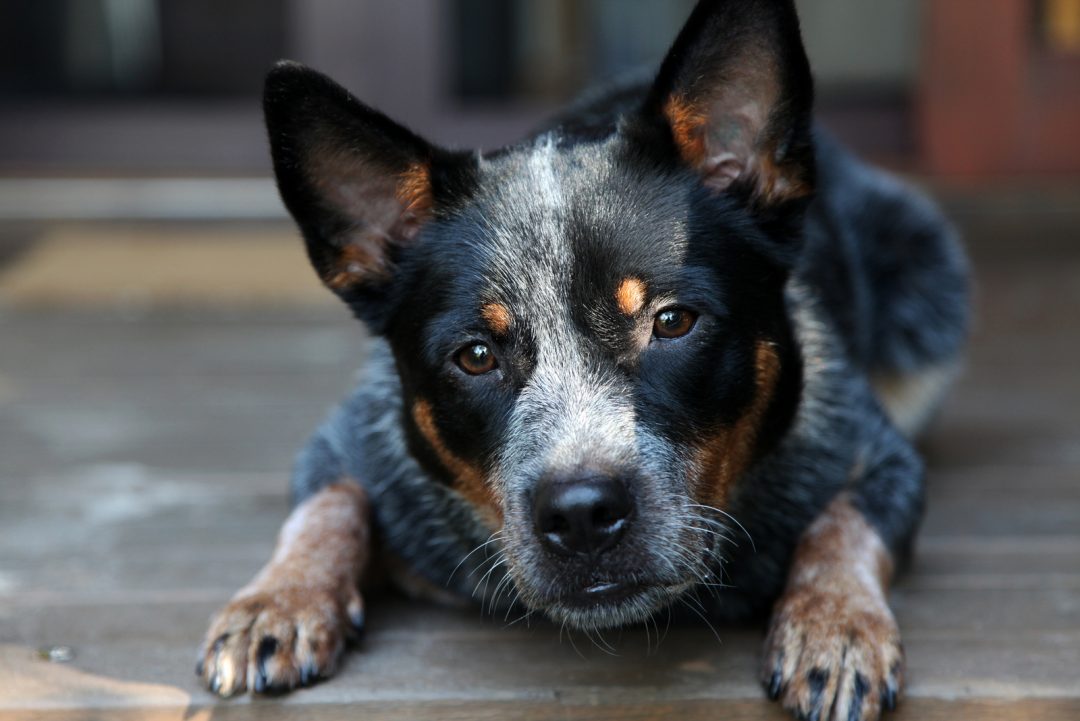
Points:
(289, 625)
(833, 650)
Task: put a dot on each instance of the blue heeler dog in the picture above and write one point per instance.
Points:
(677, 315)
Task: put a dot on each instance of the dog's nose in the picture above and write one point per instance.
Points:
(581, 515)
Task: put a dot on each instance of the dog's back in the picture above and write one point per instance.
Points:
(893, 278)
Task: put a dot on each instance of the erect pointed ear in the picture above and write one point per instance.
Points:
(736, 94)
(359, 185)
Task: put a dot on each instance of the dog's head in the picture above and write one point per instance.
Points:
(589, 328)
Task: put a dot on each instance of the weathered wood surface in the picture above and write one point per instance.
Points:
(142, 479)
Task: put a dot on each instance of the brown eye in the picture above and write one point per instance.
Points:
(673, 323)
(476, 359)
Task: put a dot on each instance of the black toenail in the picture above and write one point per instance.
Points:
(267, 647)
(308, 674)
(776, 685)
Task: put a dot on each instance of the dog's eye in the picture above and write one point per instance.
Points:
(476, 359)
(673, 323)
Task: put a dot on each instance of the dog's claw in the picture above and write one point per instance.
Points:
(308, 675)
(267, 646)
(776, 684)
(260, 681)
(356, 618)
(888, 698)
(816, 680)
(858, 695)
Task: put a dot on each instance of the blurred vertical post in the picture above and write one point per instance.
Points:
(999, 88)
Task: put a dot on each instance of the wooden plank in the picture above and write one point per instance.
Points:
(694, 710)
(982, 647)
(470, 664)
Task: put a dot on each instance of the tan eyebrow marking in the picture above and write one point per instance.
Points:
(630, 296)
(497, 318)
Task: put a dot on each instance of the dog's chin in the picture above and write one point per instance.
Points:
(609, 605)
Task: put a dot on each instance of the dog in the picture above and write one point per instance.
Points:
(676, 317)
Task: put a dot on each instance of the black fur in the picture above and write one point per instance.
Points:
(845, 274)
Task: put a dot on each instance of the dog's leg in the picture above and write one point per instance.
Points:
(833, 650)
(288, 626)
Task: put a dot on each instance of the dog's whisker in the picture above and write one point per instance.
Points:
(605, 647)
(494, 537)
(700, 613)
(487, 576)
(570, 638)
(732, 518)
(500, 588)
(523, 617)
(667, 627)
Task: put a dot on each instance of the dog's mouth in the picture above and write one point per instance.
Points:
(603, 593)
(606, 604)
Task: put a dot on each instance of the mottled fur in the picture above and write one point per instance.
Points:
(812, 279)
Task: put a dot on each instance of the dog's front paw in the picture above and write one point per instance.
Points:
(274, 639)
(833, 656)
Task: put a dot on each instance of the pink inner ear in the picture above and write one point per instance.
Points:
(722, 170)
(383, 209)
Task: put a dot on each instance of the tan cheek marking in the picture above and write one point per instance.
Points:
(630, 296)
(729, 452)
(688, 128)
(497, 318)
(470, 481)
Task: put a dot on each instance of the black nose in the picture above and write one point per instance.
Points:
(581, 515)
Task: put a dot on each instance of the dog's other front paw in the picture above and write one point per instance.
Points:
(271, 640)
(833, 656)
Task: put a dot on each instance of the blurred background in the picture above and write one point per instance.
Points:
(170, 86)
(165, 348)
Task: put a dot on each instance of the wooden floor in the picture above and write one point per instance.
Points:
(144, 445)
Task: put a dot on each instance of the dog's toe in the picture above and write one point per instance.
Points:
(273, 641)
(827, 659)
(225, 668)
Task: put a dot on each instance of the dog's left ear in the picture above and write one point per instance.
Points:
(736, 94)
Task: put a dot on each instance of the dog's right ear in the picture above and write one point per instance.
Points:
(358, 184)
